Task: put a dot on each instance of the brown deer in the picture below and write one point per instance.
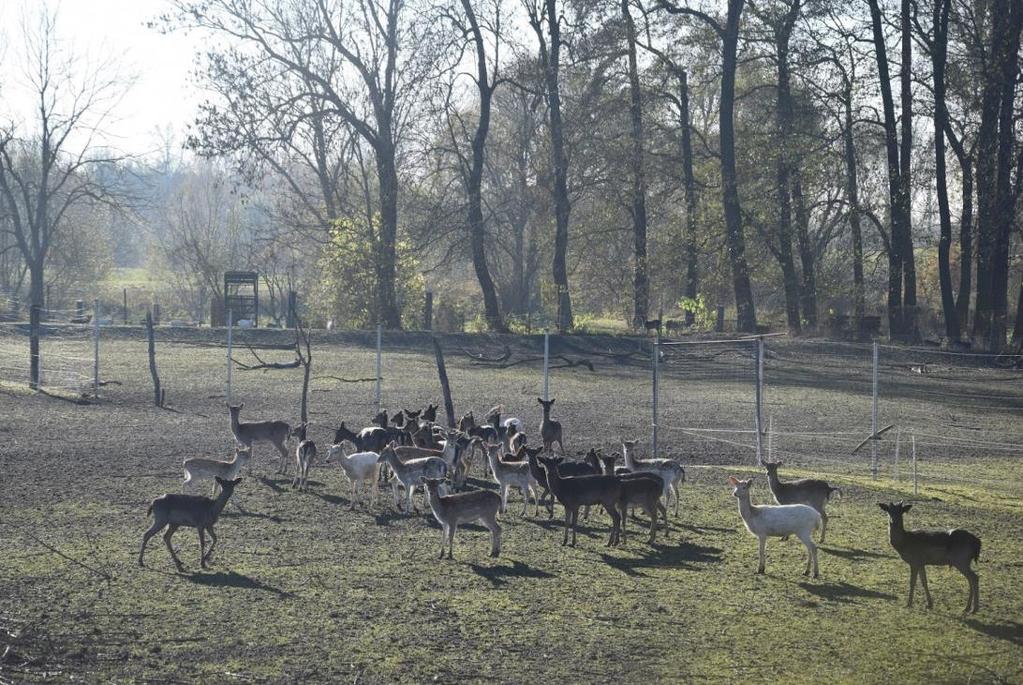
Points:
(464, 507)
(550, 431)
(582, 490)
(810, 491)
(274, 432)
(193, 511)
(957, 548)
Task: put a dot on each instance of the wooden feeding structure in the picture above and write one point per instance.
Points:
(241, 296)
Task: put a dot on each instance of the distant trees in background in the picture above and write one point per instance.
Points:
(807, 163)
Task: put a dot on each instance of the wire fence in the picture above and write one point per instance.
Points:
(950, 417)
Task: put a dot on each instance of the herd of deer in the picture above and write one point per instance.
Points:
(411, 451)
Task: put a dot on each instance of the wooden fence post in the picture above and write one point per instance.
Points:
(158, 396)
(449, 406)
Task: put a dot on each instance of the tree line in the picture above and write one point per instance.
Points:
(806, 161)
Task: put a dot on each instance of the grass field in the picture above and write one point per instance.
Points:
(303, 589)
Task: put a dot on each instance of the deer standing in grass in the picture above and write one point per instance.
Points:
(192, 511)
(274, 432)
(464, 507)
(670, 471)
(810, 491)
(198, 468)
(305, 455)
(550, 430)
(584, 490)
(766, 520)
(957, 548)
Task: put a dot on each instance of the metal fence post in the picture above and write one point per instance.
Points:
(95, 348)
(33, 346)
(546, 361)
(873, 420)
(379, 340)
(758, 419)
(916, 485)
(230, 326)
(656, 368)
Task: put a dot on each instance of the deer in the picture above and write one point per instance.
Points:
(369, 439)
(360, 467)
(305, 455)
(957, 548)
(643, 490)
(582, 490)
(192, 511)
(567, 469)
(198, 468)
(464, 507)
(781, 520)
(509, 475)
(670, 471)
(810, 491)
(550, 431)
(274, 432)
(410, 474)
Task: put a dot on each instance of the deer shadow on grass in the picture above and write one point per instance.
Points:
(853, 554)
(499, 575)
(843, 593)
(243, 513)
(235, 580)
(1011, 631)
(683, 555)
(272, 484)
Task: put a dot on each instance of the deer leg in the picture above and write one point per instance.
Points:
(824, 525)
(202, 547)
(763, 559)
(616, 525)
(811, 550)
(153, 530)
(912, 585)
(927, 591)
(495, 535)
(525, 500)
(568, 518)
(394, 491)
(664, 513)
(170, 548)
(443, 539)
(411, 502)
(504, 497)
(451, 540)
(678, 500)
(213, 543)
(652, 513)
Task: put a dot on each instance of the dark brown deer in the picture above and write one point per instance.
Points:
(582, 490)
(957, 548)
(192, 511)
(810, 491)
(550, 431)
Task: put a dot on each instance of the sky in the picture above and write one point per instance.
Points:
(162, 97)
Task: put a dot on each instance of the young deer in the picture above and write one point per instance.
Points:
(410, 474)
(582, 490)
(361, 467)
(642, 490)
(670, 471)
(369, 439)
(464, 507)
(305, 455)
(922, 548)
(514, 474)
(274, 432)
(198, 468)
(192, 511)
(766, 520)
(550, 431)
(811, 492)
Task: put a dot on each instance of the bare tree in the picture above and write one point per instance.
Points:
(47, 164)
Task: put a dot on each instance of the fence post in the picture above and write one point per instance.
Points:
(546, 361)
(916, 487)
(758, 419)
(125, 306)
(656, 365)
(79, 310)
(33, 347)
(95, 348)
(898, 439)
(292, 309)
(156, 313)
(770, 438)
(158, 394)
(719, 326)
(230, 326)
(379, 339)
(873, 419)
(428, 312)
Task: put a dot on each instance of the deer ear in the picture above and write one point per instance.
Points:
(883, 506)
(552, 401)
(237, 480)
(539, 400)
(906, 507)
(732, 481)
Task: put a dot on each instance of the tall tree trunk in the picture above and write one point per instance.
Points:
(1017, 331)
(965, 229)
(807, 252)
(386, 251)
(783, 121)
(939, 47)
(735, 238)
(895, 259)
(852, 190)
(559, 160)
(474, 184)
(909, 313)
(641, 285)
(1004, 197)
(689, 188)
(37, 287)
